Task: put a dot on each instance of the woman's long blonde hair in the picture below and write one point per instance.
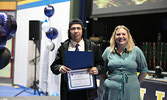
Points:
(130, 43)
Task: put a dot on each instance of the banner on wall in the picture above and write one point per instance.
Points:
(153, 90)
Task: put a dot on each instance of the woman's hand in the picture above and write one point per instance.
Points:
(141, 76)
(93, 70)
(64, 69)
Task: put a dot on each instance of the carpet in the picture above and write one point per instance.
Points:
(9, 91)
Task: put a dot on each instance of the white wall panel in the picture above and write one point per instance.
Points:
(24, 48)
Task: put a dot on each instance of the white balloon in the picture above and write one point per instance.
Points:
(45, 26)
(50, 46)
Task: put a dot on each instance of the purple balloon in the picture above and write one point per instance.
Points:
(52, 33)
(49, 10)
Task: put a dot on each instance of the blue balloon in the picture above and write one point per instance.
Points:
(9, 24)
(3, 33)
(3, 18)
(52, 33)
(3, 37)
(49, 10)
(55, 94)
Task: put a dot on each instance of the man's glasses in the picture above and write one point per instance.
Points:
(74, 28)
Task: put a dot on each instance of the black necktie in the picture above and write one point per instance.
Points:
(76, 47)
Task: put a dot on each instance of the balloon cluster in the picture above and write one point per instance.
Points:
(8, 27)
(51, 32)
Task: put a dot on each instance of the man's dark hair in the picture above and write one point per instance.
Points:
(76, 21)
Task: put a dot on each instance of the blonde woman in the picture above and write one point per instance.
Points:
(122, 62)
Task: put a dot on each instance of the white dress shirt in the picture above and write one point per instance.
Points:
(73, 43)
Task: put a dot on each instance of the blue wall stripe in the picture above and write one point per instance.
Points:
(39, 3)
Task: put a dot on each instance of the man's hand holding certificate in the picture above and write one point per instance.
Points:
(80, 76)
(80, 79)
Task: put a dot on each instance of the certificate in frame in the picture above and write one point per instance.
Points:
(80, 79)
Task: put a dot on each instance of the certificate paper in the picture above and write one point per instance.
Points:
(80, 79)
